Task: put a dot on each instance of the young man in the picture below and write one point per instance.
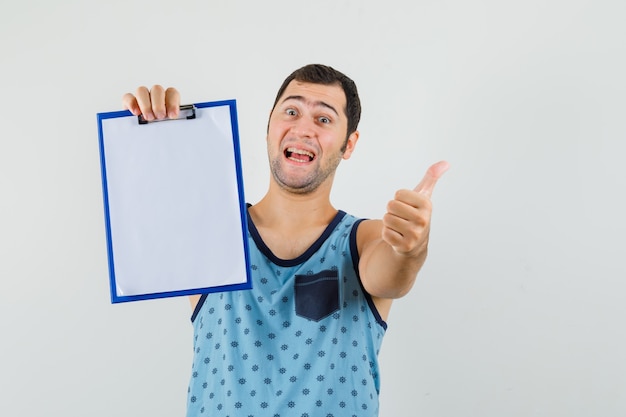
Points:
(305, 340)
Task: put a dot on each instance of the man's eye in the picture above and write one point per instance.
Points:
(291, 112)
(324, 120)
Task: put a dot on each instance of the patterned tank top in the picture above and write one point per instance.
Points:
(303, 342)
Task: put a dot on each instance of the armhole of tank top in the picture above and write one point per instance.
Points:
(354, 252)
(196, 310)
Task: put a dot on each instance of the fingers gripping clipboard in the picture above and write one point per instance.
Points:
(175, 213)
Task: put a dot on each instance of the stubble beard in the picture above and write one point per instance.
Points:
(305, 184)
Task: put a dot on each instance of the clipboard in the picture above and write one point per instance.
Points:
(174, 207)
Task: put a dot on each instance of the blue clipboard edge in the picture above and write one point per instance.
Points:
(247, 284)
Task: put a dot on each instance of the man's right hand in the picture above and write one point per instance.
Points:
(154, 104)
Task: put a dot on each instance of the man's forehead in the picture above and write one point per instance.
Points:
(331, 94)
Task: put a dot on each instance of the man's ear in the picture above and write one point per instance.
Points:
(350, 144)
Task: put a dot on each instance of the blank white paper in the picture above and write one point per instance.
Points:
(174, 203)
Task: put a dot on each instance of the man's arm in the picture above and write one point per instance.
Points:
(393, 250)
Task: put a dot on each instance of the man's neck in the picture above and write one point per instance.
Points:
(289, 223)
(280, 208)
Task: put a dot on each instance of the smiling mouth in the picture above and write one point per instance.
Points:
(299, 155)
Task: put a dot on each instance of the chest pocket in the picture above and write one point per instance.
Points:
(317, 295)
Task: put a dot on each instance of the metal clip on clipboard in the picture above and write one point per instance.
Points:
(189, 109)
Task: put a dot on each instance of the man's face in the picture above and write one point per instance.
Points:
(306, 136)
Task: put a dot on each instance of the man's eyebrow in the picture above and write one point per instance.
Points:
(315, 103)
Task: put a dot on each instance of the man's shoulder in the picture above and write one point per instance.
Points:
(364, 224)
(368, 230)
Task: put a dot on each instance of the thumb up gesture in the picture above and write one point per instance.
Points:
(406, 224)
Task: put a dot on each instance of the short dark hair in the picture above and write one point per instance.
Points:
(322, 74)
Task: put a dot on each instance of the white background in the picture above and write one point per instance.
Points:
(520, 309)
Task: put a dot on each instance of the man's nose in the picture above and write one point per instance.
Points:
(304, 127)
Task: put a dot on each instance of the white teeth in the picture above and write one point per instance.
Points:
(301, 152)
